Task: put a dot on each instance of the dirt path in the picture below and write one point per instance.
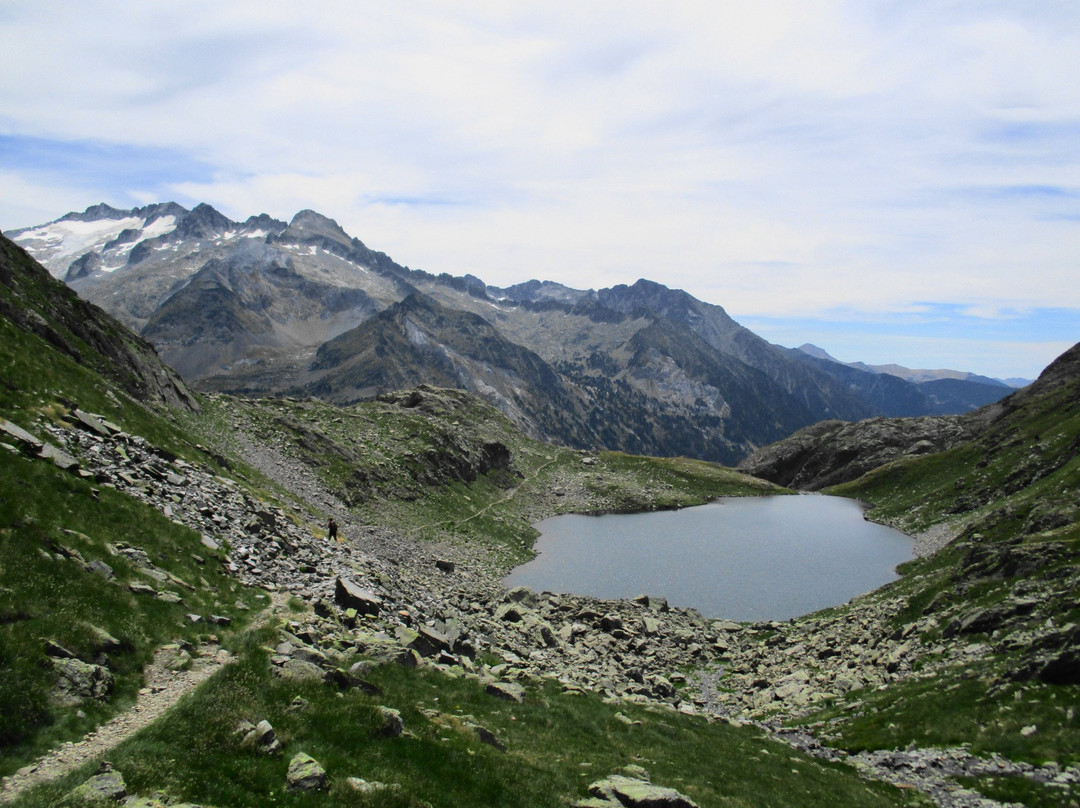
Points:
(163, 689)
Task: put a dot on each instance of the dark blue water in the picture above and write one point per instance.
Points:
(742, 558)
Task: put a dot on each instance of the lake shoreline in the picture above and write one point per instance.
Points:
(741, 558)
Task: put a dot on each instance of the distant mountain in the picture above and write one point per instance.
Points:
(269, 307)
(916, 376)
(937, 392)
(833, 452)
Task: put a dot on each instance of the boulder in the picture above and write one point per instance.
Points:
(370, 787)
(61, 459)
(522, 594)
(390, 723)
(261, 736)
(102, 640)
(15, 431)
(425, 640)
(631, 792)
(106, 786)
(508, 613)
(488, 737)
(102, 569)
(350, 595)
(299, 669)
(507, 691)
(305, 774)
(92, 423)
(78, 680)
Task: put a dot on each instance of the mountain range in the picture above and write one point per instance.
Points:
(265, 307)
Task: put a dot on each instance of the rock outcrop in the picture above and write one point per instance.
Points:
(834, 452)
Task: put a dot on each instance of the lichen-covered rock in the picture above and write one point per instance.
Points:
(362, 786)
(507, 691)
(106, 786)
(77, 680)
(305, 774)
(390, 723)
(634, 792)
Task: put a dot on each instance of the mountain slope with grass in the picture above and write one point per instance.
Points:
(986, 626)
(390, 668)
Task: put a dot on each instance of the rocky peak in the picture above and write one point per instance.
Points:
(307, 224)
(151, 213)
(203, 221)
(534, 291)
(818, 353)
(1063, 370)
(95, 213)
(264, 222)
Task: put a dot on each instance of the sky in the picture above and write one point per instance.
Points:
(895, 182)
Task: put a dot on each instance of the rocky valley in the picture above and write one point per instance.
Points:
(147, 527)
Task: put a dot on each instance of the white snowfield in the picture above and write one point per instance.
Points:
(57, 244)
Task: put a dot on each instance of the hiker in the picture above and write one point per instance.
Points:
(332, 528)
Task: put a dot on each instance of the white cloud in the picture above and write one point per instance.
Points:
(776, 158)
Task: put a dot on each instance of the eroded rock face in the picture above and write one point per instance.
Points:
(833, 452)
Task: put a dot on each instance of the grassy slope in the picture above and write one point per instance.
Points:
(556, 744)
(52, 521)
(1012, 496)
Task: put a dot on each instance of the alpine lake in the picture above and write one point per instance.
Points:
(738, 558)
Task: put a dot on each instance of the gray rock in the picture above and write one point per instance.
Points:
(370, 787)
(507, 691)
(631, 792)
(522, 594)
(54, 649)
(106, 786)
(488, 737)
(350, 595)
(305, 774)
(61, 459)
(267, 738)
(508, 613)
(102, 569)
(102, 640)
(15, 431)
(390, 723)
(92, 423)
(426, 641)
(78, 680)
(299, 669)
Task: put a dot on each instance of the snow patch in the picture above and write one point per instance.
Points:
(159, 227)
(57, 244)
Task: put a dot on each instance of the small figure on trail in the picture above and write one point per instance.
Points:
(332, 529)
